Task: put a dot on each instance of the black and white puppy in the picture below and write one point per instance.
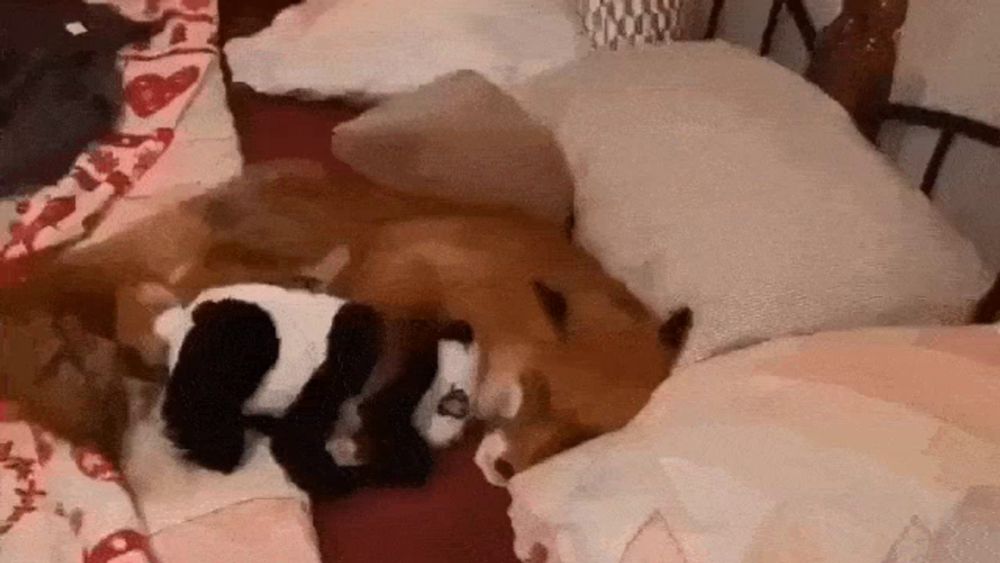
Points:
(284, 363)
(425, 381)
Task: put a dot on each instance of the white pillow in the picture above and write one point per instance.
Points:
(460, 138)
(372, 48)
(711, 177)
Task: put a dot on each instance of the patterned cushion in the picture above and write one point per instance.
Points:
(614, 23)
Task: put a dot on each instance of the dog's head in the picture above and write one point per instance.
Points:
(542, 399)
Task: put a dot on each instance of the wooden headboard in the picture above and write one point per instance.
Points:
(827, 70)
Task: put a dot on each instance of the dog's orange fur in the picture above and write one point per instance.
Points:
(571, 383)
(548, 385)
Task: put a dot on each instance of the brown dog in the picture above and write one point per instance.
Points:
(568, 353)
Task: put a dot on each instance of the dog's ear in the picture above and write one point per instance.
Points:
(554, 304)
(673, 333)
(224, 357)
(988, 309)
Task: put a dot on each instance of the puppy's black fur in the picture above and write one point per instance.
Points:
(220, 365)
(396, 454)
(233, 345)
(298, 439)
(58, 91)
(223, 361)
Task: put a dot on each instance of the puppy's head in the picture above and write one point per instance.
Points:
(425, 381)
(542, 399)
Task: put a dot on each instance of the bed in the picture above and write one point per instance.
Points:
(712, 470)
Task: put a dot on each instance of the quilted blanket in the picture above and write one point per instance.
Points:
(875, 446)
(63, 504)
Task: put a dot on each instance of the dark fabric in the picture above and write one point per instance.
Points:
(58, 91)
(456, 518)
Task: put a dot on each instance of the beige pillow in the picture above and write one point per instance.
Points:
(708, 176)
(464, 139)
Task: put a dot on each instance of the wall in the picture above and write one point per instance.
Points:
(949, 60)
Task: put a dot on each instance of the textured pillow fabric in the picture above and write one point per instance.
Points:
(372, 48)
(461, 138)
(866, 446)
(744, 192)
(611, 24)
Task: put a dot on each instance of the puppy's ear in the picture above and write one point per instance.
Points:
(355, 344)
(554, 304)
(221, 363)
(673, 333)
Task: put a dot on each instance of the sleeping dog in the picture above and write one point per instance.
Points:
(568, 352)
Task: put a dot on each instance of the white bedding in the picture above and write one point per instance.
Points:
(373, 48)
(873, 446)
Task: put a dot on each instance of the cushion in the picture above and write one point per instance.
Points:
(611, 24)
(872, 445)
(366, 48)
(746, 193)
(462, 138)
